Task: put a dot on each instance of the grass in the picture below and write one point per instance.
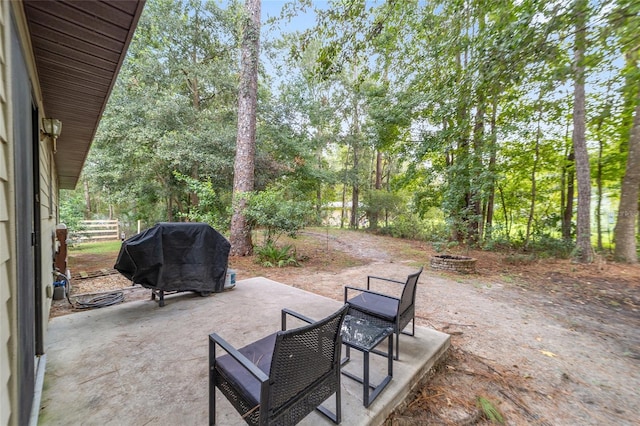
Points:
(93, 256)
(100, 247)
(489, 410)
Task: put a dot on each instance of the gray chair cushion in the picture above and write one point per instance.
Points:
(259, 353)
(375, 304)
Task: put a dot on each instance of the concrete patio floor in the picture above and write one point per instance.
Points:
(140, 364)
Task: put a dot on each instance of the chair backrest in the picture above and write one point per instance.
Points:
(409, 292)
(304, 356)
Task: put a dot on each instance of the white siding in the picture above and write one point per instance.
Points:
(5, 289)
(48, 226)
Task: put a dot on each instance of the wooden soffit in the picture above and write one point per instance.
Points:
(79, 47)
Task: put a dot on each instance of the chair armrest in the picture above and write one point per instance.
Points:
(301, 317)
(371, 277)
(362, 290)
(233, 353)
(348, 287)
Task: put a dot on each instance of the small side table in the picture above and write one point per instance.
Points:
(362, 335)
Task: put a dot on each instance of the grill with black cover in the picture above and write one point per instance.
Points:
(176, 257)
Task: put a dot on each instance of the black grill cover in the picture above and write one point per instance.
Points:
(176, 257)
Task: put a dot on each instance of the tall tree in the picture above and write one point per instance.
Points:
(534, 171)
(583, 173)
(171, 112)
(243, 171)
(626, 22)
(625, 231)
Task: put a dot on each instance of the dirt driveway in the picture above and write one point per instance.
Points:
(548, 343)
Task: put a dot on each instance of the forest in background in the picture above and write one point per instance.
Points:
(506, 124)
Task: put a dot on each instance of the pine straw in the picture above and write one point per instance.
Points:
(449, 396)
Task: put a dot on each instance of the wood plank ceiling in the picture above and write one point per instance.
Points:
(79, 47)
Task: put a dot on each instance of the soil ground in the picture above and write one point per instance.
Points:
(544, 342)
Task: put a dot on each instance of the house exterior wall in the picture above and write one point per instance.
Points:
(48, 207)
(48, 220)
(6, 352)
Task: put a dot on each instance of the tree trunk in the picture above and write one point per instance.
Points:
(194, 200)
(488, 231)
(243, 171)
(568, 181)
(87, 200)
(169, 208)
(193, 197)
(375, 215)
(625, 230)
(319, 189)
(343, 213)
(583, 173)
(462, 179)
(355, 187)
(476, 195)
(507, 228)
(355, 199)
(599, 190)
(534, 171)
(355, 184)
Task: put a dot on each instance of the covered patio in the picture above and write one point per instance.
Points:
(141, 364)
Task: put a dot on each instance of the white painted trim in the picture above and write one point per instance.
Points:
(37, 396)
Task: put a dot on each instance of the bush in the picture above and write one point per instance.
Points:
(547, 246)
(377, 203)
(516, 259)
(270, 255)
(72, 210)
(404, 226)
(412, 227)
(277, 215)
(541, 246)
(207, 210)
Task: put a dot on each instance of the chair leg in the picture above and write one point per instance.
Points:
(337, 416)
(212, 385)
(413, 328)
(338, 405)
(334, 417)
(413, 333)
(212, 405)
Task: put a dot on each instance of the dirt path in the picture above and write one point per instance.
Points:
(544, 342)
(536, 356)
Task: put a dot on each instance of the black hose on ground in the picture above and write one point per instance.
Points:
(99, 301)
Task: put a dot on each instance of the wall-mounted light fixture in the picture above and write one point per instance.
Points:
(52, 128)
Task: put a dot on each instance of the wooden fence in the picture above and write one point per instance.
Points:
(99, 230)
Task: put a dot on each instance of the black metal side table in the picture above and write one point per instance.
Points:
(364, 336)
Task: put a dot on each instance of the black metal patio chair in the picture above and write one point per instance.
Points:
(385, 310)
(280, 379)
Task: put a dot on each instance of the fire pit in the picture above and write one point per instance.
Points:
(448, 262)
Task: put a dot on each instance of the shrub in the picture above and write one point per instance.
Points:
(271, 211)
(270, 255)
(548, 246)
(207, 210)
(71, 210)
(405, 226)
(519, 259)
